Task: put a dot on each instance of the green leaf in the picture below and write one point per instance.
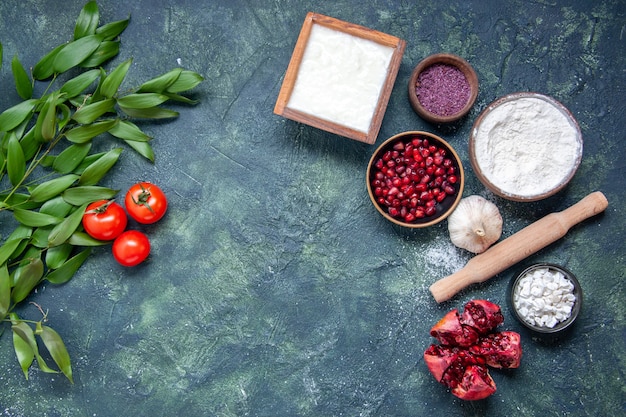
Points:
(16, 163)
(40, 237)
(83, 239)
(56, 206)
(88, 194)
(150, 113)
(26, 278)
(49, 189)
(46, 125)
(76, 86)
(129, 131)
(75, 52)
(181, 99)
(29, 143)
(25, 332)
(110, 31)
(5, 291)
(23, 84)
(89, 159)
(82, 134)
(65, 114)
(14, 116)
(160, 83)
(142, 148)
(66, 271)
(87, 20)
(45, 67)
(22, 335)
(62, 231)
(105, 51)
(112, 82)
(141, 100)
(20, 200)
(58, 351)
(71, 157)
(35, 219)
(186, 81)
(94, 172)
(90, 112)
(56, 256)
(8, 248)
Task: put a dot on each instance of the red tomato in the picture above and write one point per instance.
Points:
(104, 220)
(146, 202)
(131, 248)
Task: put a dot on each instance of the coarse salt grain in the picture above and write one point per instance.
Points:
(544, 297)
(442, 89)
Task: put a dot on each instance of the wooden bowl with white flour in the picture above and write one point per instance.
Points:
(525, 147)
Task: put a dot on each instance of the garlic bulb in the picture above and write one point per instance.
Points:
(475, 224)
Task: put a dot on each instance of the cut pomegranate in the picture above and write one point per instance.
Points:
(500, 350)
(482, 315)
(450, 331)
(468, 345)
(476, 384)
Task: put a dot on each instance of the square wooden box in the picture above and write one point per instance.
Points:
(379, 103)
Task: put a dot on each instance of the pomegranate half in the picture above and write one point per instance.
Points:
(468, 345)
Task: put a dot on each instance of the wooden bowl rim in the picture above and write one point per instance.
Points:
(442, 216)
(448, 59)
(497, 190)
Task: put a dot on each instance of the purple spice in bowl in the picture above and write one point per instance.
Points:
(443, 88)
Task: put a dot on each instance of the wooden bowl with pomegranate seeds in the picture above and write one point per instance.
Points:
(415, 179)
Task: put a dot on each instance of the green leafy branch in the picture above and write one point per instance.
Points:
(51, 136)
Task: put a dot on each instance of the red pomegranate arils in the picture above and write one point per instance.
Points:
(469, 344)
(410, 172)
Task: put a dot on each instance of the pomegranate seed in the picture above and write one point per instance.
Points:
(449, 190)
(430, 211)
(452, 179)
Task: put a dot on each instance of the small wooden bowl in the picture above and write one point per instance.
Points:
(444, 208)
(445, 59)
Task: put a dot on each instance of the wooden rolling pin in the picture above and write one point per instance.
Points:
(518, 246)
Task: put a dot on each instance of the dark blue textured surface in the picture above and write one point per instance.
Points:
(275, 288)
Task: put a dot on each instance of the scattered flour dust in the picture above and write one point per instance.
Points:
(442, 258)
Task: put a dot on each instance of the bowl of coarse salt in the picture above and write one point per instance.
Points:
(546, 298)
(525, 147)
